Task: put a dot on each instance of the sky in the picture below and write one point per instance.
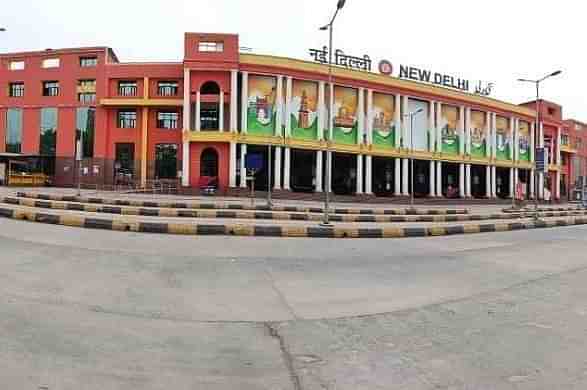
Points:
(494, 41)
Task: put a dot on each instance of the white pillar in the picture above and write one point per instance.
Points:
(398, 124)
(368, 175)
(405, 177)
(286, 169)
(369, 125)
(318, 171)
(432, 130)
(494, 134)
(461, 180)
(532, 184)
(243, 168)
(488, 139)
(328, 183)
(494, 182)
(512, 139)
(558, 146)
(321, 112)
(541, 185)
(244, 103)
(278, 107)
(512, 182)
(198, 106)
(277, 169)
(532, 141)
(233, 100)
(488, 192)
(221, 112)
(359, 174)
(185, 164)
(516, 179)
(397, 178)
(186, 99)
(232, 165)
(557, 185)
(461, 130)
(468, 183)
(432, 178)
(468, 132)
(361, 116)
(405, 123)
(438, 128)
(288, 93)
(439, 179)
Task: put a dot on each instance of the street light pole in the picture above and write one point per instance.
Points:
(269, 173)
(412, 115)
(537, 134)
(329, 27)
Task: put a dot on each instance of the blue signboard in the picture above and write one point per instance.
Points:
(541, 159)
(254, 161)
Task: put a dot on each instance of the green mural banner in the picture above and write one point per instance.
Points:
(304, 110)
(503, 142)
(449, 120)
(261, 113)
(524, 141)
(478, 136)
(345, 115)
(383, 114)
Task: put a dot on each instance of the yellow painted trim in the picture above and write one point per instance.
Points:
(208, 136)
(145, 146)
(568, 149)
(553, 167)
(142, 102)
(383, 80)
(145, 88)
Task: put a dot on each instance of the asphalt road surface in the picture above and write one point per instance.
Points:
(88, 309)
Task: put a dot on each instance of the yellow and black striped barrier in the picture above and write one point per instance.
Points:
(235, 206)
(269, 215)
(123, 224)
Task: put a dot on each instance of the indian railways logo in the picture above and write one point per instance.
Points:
(385, 67)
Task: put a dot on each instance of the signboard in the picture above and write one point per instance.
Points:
(541, 159)
(254, 161)
(341, 59)
(444, 80)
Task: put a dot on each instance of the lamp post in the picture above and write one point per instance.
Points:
(412, 115)
(269, 173)
(329, 26)
(537, 133)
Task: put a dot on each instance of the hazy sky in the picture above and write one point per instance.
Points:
(492, 41)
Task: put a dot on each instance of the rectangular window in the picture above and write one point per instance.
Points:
(85, 125)
(16, 89)
(88, 62)
(166, 161)
(86, 97)
(127, 88)
(127, 119)
(565, 139)
(167, 88)
(211, 46)
(167, 120)
(48, 143)
(50, 88)
(16, 65)
(13, 130)
(86, 91)
(50, 63)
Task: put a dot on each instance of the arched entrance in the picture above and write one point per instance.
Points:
(210, 106)
(209, 163)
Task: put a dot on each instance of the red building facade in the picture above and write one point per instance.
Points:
(196, 120)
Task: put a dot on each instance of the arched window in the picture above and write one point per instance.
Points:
(209, 110)
(210, 88)
(209, 163)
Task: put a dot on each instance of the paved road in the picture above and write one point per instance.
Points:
(106, 310)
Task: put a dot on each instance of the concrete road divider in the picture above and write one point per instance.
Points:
(236, 206)
(267, 215)
(136, 225)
